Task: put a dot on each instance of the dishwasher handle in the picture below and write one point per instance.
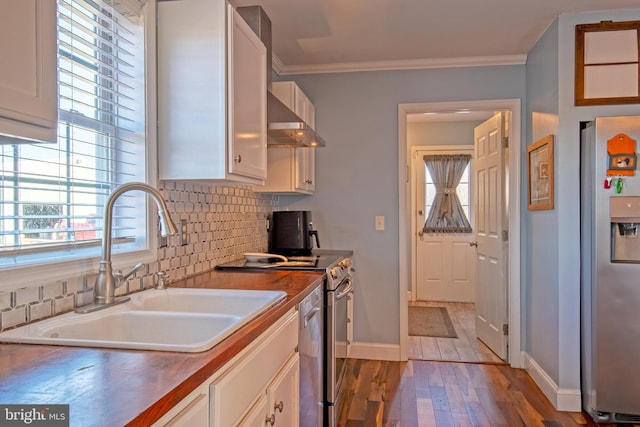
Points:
(308, 315)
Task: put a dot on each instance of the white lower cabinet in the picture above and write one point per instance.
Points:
(283, 395)
(194, 413)
(250, 387)
(256, 417)
(279, 406)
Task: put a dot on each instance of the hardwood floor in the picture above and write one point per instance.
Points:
(465, 348)
(448, 382)
(421, 393)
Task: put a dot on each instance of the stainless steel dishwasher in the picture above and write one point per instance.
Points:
(311, 349)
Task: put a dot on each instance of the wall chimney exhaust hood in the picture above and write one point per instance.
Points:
(284, 127)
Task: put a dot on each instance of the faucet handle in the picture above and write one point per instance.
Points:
(162, 280)
(121, 279)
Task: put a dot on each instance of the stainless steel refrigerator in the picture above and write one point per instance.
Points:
(610, 270)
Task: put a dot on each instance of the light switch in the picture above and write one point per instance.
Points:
(379, 223)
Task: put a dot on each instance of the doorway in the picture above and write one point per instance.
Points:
(408, 228)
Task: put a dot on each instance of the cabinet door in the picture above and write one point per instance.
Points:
(233, 393)
(195, 414)
(305, 170)
(311, 115)
(283, 394)
(192, 411)
(257, 415)
(247, 101)
(28, 87)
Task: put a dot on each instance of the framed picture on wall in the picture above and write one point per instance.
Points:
(540, 174)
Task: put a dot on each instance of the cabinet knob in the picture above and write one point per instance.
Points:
(279, 406)
(237, 158)
(309, 181)
(474, 243)
(270, 420)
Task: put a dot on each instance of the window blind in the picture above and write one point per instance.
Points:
(52, 195)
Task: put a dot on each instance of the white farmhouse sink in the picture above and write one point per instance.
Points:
(175, 319)
(217, 301)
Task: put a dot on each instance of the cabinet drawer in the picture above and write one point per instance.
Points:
(234, 392)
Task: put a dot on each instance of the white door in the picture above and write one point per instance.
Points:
(490, 242)
(445, 263)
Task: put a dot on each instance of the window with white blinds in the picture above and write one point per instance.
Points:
(52, 195)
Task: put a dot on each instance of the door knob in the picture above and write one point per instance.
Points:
(473, 243)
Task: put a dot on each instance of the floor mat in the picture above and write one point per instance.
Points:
(431, 322)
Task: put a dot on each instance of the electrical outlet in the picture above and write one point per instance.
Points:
(379, 223)
(183, 232)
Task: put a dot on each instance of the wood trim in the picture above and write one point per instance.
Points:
(580, 65)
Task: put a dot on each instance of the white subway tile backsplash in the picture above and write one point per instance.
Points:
(63, 304)
(52, 290)
(27, 295)
(40, 310)
(15, 317)
(84, 297)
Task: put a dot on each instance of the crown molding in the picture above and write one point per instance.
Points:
(415, 64)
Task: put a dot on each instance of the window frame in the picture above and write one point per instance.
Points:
(51, 266)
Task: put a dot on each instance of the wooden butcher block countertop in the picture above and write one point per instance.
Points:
(107, 387)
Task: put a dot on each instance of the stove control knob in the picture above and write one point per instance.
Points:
(345, 263)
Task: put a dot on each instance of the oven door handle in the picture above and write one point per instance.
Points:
(348, 289)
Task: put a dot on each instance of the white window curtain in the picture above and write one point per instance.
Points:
(446, 214)
(52, 195)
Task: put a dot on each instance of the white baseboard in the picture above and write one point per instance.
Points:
(563, 399)
(375, 351)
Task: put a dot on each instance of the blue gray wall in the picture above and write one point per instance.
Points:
(357, 172)
(441, 133)
(541, 227)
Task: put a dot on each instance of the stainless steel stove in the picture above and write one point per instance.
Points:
(338, 313)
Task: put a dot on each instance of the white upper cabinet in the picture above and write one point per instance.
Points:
(305, 178)
(28, 75)
(212, 91)
(290, 94)
(292, 170)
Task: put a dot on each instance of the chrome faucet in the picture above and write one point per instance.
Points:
(107, 281)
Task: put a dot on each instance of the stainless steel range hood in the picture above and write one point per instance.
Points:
(285, 128)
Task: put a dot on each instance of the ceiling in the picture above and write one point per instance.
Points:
(312, 36)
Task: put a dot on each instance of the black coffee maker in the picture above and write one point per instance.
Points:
(290, 233)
